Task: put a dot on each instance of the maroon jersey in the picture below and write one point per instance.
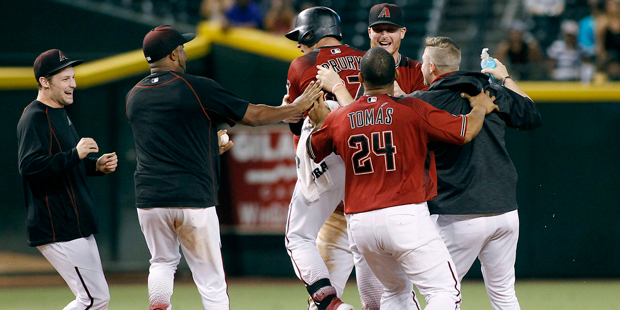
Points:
(410, 76)
(383, 142)
(344, 59)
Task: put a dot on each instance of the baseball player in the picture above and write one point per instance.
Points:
(54, 164)
(385, 30)
(319, 190)
(382, 142)
(174, 117)
(476, 206)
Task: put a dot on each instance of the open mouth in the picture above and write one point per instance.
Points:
(69, 93)
(385, 44)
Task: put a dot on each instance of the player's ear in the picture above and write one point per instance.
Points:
(44, 82)
(403, 30)
(361, 77)
(396, 75)
(369, 32)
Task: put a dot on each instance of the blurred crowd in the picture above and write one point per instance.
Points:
(549, 41)
(548, 45)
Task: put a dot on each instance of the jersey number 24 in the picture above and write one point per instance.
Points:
(381, 144)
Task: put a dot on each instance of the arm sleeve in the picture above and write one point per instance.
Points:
(91, 167)
(321, 142)
(294, 90)
(221, 105)
(35, 160)
(517, 111)
(440, 125)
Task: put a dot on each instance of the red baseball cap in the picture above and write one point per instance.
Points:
(161, 41)
(385, 13)
(51, 62)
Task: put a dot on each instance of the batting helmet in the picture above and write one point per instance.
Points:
(315, 23)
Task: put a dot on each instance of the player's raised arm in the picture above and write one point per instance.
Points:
(260, 114)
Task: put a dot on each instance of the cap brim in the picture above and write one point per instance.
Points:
(188, 36)
(383, 22)
(72, 63)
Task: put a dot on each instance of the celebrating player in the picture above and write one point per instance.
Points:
(476, 203)
(54, 164)
(174, 116)
(317, 195)
(383, 144)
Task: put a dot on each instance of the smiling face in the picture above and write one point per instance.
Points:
(60, 87)
(387, 36)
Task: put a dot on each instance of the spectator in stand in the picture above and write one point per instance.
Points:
(245, 13)
(521, 50)
(280, 17)
(545, 14)
(608, 39)
(565, 55)
(214, 10)
(587, 26)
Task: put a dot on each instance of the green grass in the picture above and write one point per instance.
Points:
(280, 294)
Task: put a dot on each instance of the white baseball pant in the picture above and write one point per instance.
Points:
(197, 232)
(78, 263)
(402, 246)
(492, 238)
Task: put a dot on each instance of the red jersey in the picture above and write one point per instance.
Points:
(410, 76)
(344, 59)
(383, 142)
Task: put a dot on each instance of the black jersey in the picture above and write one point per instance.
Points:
(174, 119)
(59, 202)
(478, 177)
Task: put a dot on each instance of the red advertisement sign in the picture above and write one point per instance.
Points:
(261, 177)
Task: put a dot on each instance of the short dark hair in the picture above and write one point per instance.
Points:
(378, 67)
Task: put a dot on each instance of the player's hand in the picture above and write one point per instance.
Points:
(295, 118)
(107, 163)
(397, 90)
(86, 146)
(499, 72)
(225, 147)
(483, 99)
(310, 94)
(318, 113)
(328, 77)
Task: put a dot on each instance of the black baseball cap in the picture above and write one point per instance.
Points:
(161, 41)
(385, 13)
(51, 62)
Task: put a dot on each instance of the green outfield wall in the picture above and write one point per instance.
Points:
(568, 169)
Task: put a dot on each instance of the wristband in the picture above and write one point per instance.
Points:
(504, 79)
(337, 84)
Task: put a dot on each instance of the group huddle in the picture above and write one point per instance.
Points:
(402, 169)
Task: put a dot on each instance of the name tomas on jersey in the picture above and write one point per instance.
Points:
(343, 63)
(367, 117)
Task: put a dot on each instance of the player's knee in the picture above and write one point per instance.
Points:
(101, 301)
(443, 302)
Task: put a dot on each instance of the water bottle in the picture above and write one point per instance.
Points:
(487, 63)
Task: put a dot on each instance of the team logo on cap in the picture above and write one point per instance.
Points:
(62, 56)
(384, 13)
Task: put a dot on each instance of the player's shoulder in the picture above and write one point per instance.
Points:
(33, 112)
(353, 50)
(414, 102)
(406, 62)
(304, 61)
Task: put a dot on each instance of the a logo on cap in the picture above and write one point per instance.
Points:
(384, 13)
(62, 56)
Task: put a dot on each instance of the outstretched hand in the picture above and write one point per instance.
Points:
(318, 113)
(483, 99)
(307, 98)
(295, 118)
(328, 77)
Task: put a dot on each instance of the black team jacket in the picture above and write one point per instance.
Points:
(478, 177)
(59, 203)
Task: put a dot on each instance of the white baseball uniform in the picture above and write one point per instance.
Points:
(196, 231)
(492, 238)
(78, 263)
